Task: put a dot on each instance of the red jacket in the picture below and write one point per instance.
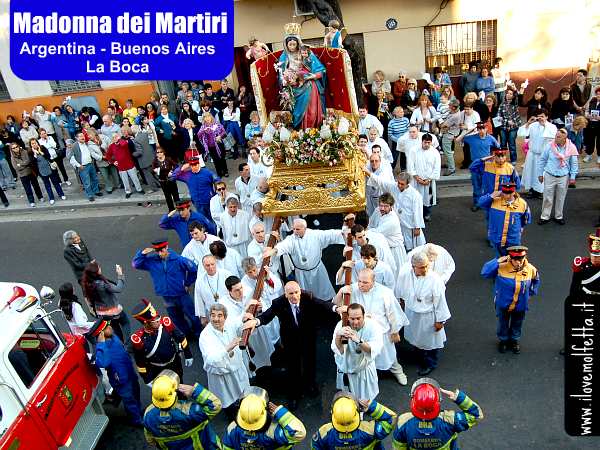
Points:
(120, 153)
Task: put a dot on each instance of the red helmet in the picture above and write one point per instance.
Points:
(425, 399)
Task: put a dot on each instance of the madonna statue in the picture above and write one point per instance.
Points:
(300, 69)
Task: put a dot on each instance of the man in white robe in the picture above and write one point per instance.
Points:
(362, 236)
(305, 248)
(210, 287)
(412, 141)
(236, 302)
(219, 343)
(425, 165)
(366, 121)
(257, 168)
(217, 202)
(409, 206)
(387, 223)
(373, 190)
(234, 223)
(260, 192)
(355, 359)
(541, 133)
(227, 258)
(381, 306)
(440, 259)
(375, 139)
(198, 247)
(244, 186)
(368, 260)
(272, 288)
(423, 295)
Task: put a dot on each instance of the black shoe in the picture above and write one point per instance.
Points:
(98, 194)
(92, 199)
(226, 174)
(141, 192)
(6, 205)
(424, 372)
(109, 192)
(543, 221)
(502, 345)
(474, 208)
(447, 173)
(427, 218)
(515, 347)
(127, 195)
(561, 352)
(560, 221)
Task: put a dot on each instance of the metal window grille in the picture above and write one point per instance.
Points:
(65, 87)
(4, 94)
(455, 45)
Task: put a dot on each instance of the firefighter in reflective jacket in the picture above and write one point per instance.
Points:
(261, 424)
(425, 426)
(508, 215)
(156, 345)
(347, 431)
(171, 423)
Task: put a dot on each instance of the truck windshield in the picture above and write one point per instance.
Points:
(32, 350)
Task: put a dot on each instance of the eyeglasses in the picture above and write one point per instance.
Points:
(220, 189)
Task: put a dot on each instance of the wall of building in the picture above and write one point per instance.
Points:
(529, 32)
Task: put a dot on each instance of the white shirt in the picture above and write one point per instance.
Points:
(209, 289)
(235, 228)
(196, 250)
(364, 125)
(245, 190)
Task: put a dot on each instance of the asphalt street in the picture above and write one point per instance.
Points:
(521, 395)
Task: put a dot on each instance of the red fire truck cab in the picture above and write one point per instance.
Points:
(47, 384)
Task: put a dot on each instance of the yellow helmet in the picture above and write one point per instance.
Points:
(344, 415)
(164, 392)
(252, 414)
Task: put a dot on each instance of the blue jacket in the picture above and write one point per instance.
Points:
(493, 176)
(180, 225)
(185, 426)
(163, 127)
(485, 84)
(367, 436)
(284, 431)
(480, 147)
(505, 221)
(439, 433)
(201, 185)
(112, 356)
(512, 288)
(170, 276)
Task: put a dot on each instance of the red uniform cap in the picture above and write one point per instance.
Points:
(517, 251)
(183, 204)
(499, 151)
(508, 188)
(98, 327)
(160, 244)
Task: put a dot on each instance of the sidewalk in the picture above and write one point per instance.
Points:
(76, 198)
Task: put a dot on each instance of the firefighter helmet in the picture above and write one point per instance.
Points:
(425, 399)
(344, 413)
(164, 389)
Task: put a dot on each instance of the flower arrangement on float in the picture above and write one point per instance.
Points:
(335, 142)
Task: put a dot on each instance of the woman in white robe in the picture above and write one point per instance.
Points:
(541, 133)
(226, 371)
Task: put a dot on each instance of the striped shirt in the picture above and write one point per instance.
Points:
(397, 127)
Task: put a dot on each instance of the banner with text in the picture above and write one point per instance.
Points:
(118, 40)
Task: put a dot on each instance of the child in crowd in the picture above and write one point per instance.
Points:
(397, 127)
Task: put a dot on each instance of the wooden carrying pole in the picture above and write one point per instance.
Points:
(260, 280)
(347, 271)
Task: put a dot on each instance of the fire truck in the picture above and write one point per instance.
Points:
(48, 387)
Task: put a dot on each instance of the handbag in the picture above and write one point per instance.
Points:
(53, 165)
(229, 141)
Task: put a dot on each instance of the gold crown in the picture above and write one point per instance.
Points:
(292, 29)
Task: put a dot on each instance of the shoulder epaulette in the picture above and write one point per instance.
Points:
(167, 323)
(579, 262)
(136, 338)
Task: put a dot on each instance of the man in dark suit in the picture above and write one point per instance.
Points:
(300, 315)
